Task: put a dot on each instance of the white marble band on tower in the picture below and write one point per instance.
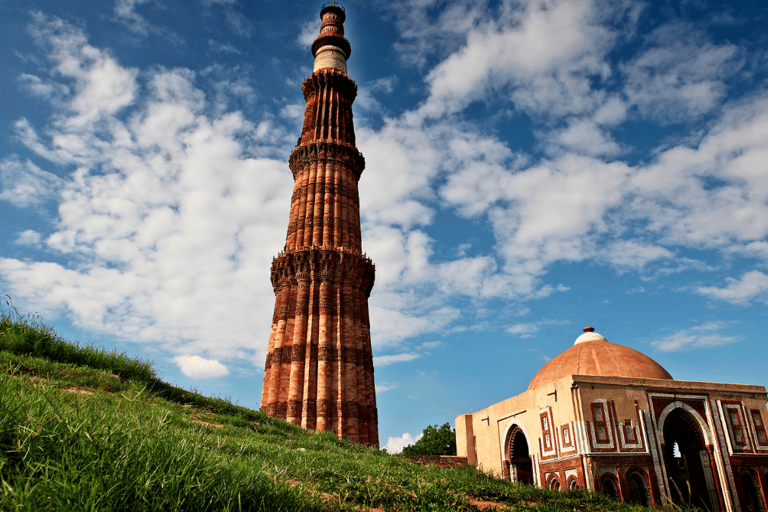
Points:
(330, 57)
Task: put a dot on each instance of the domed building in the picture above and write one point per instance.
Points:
(608, 418)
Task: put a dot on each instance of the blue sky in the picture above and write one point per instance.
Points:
(532, 168)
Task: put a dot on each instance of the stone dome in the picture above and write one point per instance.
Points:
(592, 354)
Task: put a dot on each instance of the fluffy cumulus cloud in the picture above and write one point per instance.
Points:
(196, 367)
(396, 444)
(100, 85)
(24, 184)
(545, 52)
(173, 204)
(679, 75)
(28, 237)
(753, 285)
(580, 202)
(579, 199)
(164, 212)
(712, 192)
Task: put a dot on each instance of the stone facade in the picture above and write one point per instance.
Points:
(319, 368)
(639, 439)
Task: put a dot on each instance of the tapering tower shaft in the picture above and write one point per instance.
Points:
(319, 368)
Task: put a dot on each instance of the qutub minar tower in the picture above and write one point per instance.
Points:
(319, 368)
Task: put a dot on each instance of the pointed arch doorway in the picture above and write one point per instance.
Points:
(686, 460)
(519, 457)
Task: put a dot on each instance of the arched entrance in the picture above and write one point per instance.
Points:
(750, 502)
(609, 487)
(686, 461)
(637, 490)
(520, 465)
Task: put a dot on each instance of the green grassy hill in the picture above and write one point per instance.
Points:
(86, 429)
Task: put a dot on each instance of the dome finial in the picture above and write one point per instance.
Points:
(589, 335)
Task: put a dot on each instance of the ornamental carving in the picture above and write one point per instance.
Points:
(294, 409)
(309, 408)
(323, 408)
(277, 356)
(348, 355)
(344, 154)
(329, 78)
(326, 353)
(297, 353)
(323, 265)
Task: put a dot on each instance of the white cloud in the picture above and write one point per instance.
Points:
(753, 285)
(45, 89)
(366, 100)
(754, 249)
(548, 54)
(529, 329)
(162, 210)
(422, 34)
(385, 386)
(679, 75)
(196, 367)
(28, 237)
(125, 12)
(294, 111)
(163, 178)
(396, 444)
(23, 184)
(406, 315)
(224, 47)
(633, 255)
(612, 111)
(584, 136)
(307, 34)
(524, 330)
(240, 24)
(715, 192)
(395, 358)
(101, 86)
(701, 336)
(400, 162)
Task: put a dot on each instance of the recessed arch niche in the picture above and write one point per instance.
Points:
(518, 456)
(689, 475)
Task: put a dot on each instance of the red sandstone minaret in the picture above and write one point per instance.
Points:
(319, 369)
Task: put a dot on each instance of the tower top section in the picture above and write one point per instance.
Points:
(330, 49)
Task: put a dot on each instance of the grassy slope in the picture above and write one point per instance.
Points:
(84, 429)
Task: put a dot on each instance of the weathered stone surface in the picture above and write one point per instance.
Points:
(319, 367)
